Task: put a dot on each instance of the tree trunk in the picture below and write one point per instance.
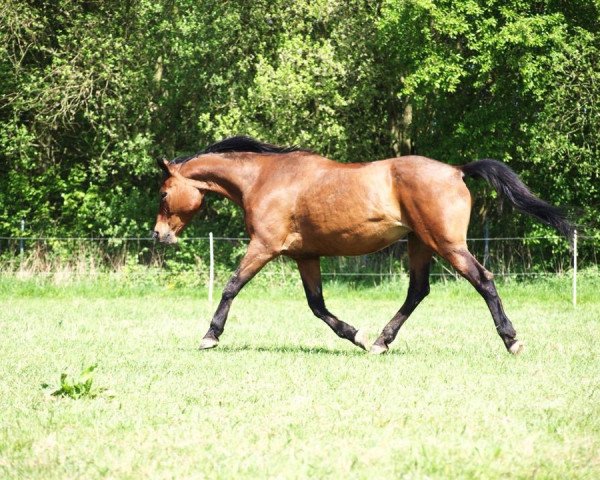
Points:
(402, 141)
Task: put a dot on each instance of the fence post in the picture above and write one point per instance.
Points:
(486, 244)
(574, 268)
(211, 271)
(21, 243)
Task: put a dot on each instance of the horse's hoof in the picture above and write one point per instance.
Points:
(517, 348)
(207, 343)
(378, 349)
(361, 339)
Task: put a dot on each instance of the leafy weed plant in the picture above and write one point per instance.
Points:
(82, 388)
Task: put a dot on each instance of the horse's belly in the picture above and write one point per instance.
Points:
(352, 215)
(361, 240)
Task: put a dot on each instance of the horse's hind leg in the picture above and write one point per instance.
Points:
(418, 288)
(310, 271)
(462, 260)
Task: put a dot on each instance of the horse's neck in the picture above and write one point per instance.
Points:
(225, 176)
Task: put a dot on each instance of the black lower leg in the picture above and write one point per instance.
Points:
(504, 327)
(256, 257)
(217, 323)
(310, 271)
(481, 279)
(317, 306)
(418, 289)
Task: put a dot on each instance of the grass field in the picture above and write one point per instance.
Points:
(283, 397)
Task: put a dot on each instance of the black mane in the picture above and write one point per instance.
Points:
(241, 143)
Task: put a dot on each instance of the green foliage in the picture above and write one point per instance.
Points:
(92, 92)
(503, 80)
(80, 388)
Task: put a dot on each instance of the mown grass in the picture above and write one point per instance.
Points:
(283, 397)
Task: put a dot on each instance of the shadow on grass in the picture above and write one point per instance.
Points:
(296, 349)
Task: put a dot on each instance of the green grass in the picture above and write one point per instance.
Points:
(283, 397)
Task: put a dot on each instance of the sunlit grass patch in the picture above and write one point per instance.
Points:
(282, 396)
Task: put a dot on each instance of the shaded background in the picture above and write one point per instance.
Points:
(91, 93)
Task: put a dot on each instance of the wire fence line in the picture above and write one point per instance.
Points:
(246, 239)
(132, 257)
(504, 256)
(272, 274)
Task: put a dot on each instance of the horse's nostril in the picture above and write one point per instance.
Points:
(154, 234)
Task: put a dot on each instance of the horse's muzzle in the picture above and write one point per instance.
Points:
(168, 237)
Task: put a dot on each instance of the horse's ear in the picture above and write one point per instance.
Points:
(163, 164)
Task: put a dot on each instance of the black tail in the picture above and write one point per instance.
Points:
(508, 184)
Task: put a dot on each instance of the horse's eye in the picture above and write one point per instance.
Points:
(163, 195)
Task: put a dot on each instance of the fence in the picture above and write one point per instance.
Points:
(505, 257)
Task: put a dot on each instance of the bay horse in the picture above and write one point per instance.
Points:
(304, 206)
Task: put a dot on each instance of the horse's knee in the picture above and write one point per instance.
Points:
(231, 289)
(317, 306)
(317, 311)
(486, 287)
(418, 293)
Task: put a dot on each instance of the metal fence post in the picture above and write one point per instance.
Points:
(21, 243)
(211, 271)
(574, 268)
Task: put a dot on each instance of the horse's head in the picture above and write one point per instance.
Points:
(179, 201)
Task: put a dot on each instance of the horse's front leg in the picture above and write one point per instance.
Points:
(310, 272)
(256, 258)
